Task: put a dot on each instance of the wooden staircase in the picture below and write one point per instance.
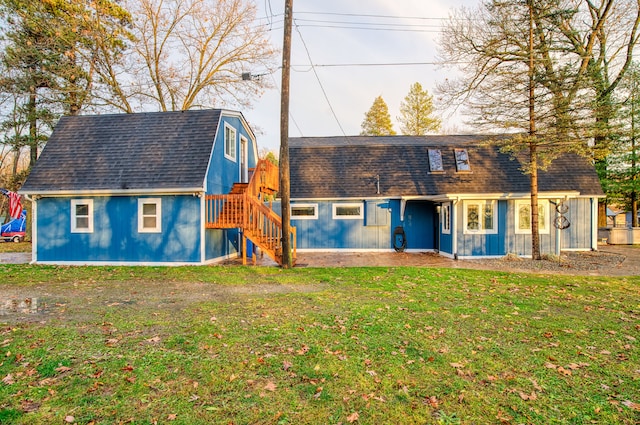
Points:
(244, 207)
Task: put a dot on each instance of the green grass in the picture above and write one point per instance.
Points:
(245, 345)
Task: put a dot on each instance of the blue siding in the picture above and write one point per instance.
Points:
(423, 229)
(520, 244)
(363, 233)
(374, 231)
(445, 244)
(578, 235)
(115, 237)
(223, 172)
(221, 243)
(482, 244)
(420, 225)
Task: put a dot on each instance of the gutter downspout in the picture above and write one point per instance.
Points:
(34, 228)
(454, 229)
(558, 232)
(594, 224)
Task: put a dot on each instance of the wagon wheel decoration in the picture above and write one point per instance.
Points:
(561, 222)
(562, 207)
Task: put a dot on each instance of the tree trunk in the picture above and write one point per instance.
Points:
(33, 127)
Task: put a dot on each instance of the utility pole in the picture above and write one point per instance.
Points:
(284, 137)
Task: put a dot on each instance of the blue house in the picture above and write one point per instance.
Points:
(146, 189)
(456, 195)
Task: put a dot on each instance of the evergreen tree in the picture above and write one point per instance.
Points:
(416, 113)
(377, 121)
(49, 59)
(622, 179)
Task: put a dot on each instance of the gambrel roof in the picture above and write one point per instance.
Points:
(126, 152)
(357, 166)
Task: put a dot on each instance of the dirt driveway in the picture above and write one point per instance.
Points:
(609, 260)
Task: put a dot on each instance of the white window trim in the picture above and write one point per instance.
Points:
(158, 228)
(235, 142)
(543, 227)
(481, 230)
(445, 214)
(304, 217)
(348, 217)
(74, 222)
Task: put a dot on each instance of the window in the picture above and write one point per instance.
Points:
(82, 216)
(229, 142)
(523, 216)
(304, 211)
(435, 160)
(462, 160)
(149, 215)
(480, 217)
(348, 211)
(445, 216)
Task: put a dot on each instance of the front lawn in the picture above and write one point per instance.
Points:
(250, 345)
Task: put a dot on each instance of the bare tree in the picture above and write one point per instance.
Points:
(189, 53)
(528, 69)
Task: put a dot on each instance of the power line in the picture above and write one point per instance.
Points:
(319, 82)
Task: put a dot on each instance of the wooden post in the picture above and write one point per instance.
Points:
(244, 249)
(284, 136)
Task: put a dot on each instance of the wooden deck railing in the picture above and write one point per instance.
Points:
(224, 211)
(248, 211)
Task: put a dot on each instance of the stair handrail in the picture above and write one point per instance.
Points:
(265, 175)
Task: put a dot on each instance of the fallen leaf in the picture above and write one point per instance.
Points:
(63, 369)
(172, 417)
(456, 365)
(270, 386)
(8, 380)
(154, 339)
(631, 405)
(286, 365)
(432, 401)
(69, 419)
(535, 384)
(565, 372)
(527, 397)
(353, 417)
(29, 406)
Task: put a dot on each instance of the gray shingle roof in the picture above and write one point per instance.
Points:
(159, 150)
(347, 167)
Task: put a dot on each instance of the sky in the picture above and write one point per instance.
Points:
(331, 97)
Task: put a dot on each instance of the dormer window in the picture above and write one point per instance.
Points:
(462, 160)
(435, 160)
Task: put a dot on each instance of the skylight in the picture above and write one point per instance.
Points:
(462, 160)
(435, 160)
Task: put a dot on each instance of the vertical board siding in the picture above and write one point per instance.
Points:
(221, 243)
(578, 235)
(520, 244)
(362, 233)
(115, 237)
(223, 172)
(419, 225)
(482, 244)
